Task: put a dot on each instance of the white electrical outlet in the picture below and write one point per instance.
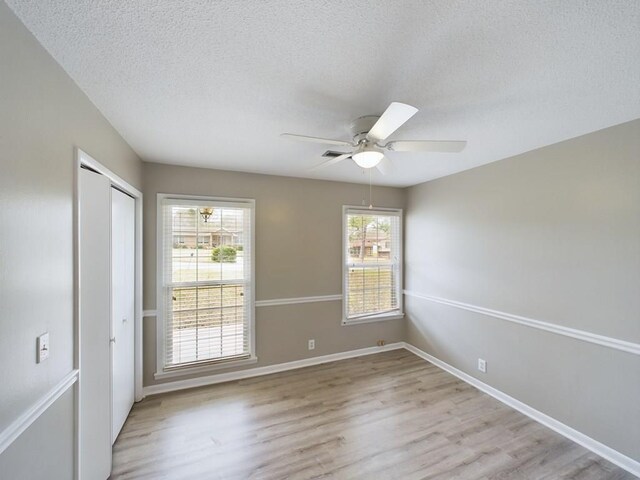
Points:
(482, 365)
(312, 344)
(42, 346)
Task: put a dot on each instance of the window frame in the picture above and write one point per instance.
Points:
(399, 284)
(206, 366)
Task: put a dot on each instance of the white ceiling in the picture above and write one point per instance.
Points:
(214, 83)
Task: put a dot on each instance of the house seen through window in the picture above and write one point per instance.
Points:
(206, 281)
(373, 259)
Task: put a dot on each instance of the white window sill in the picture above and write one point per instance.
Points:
(181, 372)
(373, 318)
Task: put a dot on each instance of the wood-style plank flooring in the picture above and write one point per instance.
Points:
(385, 416)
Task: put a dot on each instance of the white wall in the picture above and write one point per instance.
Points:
(553, 235)
(43, 116)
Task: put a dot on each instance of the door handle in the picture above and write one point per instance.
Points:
(124, 320)
(112, 340)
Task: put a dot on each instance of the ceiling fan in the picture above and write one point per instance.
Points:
(369, 133)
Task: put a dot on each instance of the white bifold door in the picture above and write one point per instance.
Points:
(94, 191)
(123, 216)
(107, 318)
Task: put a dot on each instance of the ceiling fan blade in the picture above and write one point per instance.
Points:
(331, 161)
(426, 146)
(326, 141)
(385, 165)
(393, 118)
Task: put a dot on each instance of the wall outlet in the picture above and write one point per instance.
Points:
(482, 365)
(42, 348)
(381, 343)
(312, 344)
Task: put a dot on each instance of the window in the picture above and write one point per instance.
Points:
(372, 255)
(205, 282)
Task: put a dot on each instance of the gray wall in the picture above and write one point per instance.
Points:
(43, 117)
(554, 235)
(298, 254)
(45, 449)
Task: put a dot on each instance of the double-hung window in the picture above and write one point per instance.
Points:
(205, 282)
(372, 260)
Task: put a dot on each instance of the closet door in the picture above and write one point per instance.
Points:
(122, 307)
(95, 305)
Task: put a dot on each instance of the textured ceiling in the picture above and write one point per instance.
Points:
(214, 83)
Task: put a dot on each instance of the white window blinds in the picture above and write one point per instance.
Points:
(206, 280)
(373, 261)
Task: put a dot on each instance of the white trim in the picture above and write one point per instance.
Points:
(367, 211)
(589, 443)
(139, 273)
(160, 340)
(82, 158)
(211, 367)
(88, 161)
(249, 203)
(259, 371)
(583, 335)
(76, 311)
(295, 300)
(275, 302)
(398, 212)
(24, 421)
(241, 201)
(374, 318)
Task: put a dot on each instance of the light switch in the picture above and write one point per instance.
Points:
(42, 347)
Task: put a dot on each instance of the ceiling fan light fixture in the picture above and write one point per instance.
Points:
(368, 157)
(369, 134)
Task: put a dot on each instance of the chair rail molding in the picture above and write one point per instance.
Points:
(30, 415)
(274, 302)
(295, 300)
(602, 340)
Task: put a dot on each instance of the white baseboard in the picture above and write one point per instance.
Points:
(24, 421)
(258, 371)
(587, 442)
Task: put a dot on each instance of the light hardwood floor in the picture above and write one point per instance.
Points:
(385, 416)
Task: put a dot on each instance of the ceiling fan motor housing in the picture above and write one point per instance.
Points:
(361, 126)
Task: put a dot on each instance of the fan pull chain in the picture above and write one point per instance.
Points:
(364, 193)
(370, 197)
